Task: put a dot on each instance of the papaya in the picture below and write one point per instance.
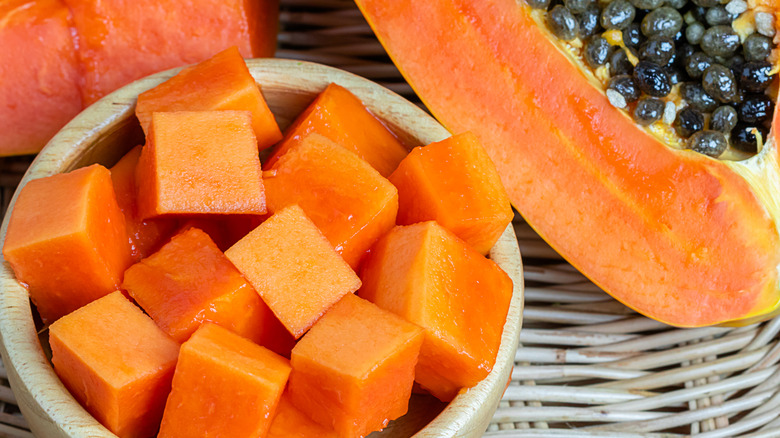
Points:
(294, 268)
(680, 236)
(200, 162)
(224, 386)
(339, 115)
(145, 236)
(71, 221)
(39, 74)
(290, 422)
(190, 281)
(353, 371)
(348, 200)
(222, 82)
(148, 36)
(116, 362)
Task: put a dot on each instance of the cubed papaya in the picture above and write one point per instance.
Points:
(224, 230)
(290, 422)
(224, 386)
(455, 183)
(354, 370)
(116, 362)
(432, 278)
(147, 36)
(338, 114)
(350, 202)
(294, 268)
(198, 162)
(67, 240)
(222, 82)
(190, 281)
(39, 74)
(145, 236)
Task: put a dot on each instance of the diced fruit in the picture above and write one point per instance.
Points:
(224, 386)
(39, 74)
(147, 36)
(430, 277)
(116, 362)
(67, 240)
(354, 370)
(222, 82)
(200, 162)
(145, 236)
(454, 183)
(293, 268)
(189, 281)
(337, 114)
(349, 201)
(290, 422)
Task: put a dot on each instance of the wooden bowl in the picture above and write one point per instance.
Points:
(108, 129)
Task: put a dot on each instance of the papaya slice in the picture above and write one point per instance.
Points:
(149, 36)
(678, 236)
(40, 74)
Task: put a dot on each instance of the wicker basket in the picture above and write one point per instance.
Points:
(587, 366)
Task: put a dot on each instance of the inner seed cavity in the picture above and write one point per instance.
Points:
(704, 69)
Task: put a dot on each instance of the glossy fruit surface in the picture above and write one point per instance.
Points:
(650, 224)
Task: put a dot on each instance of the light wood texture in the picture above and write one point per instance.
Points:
(106, 130)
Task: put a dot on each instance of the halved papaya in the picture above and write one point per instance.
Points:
(678, 236)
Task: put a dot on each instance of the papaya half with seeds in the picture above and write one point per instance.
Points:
(683, 238)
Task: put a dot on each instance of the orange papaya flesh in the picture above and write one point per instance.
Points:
(454, 183)
(200, 162)
(354, 370)
(70, 221)
(432, 278)
(224, 385)
(222, 82)
(349, 201)
(224, 230)
(116, 362)
(148, 36)
(40, 74)
(145, 236)
(290, 422)
(679, 237)
(190, 281)
(338, 114)
(294, 268)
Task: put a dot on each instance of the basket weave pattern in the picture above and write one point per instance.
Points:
(587, 365)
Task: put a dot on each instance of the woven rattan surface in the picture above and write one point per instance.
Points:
(587, 365)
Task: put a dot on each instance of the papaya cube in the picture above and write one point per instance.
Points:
(200, 162)
(224, 230)
(430, 277)
(350, 202)
(290, 422)
(116, 362)
(67, 240)
(354, 370)
(190, 281)
(224, 386)
(222, 82)
(339, 115)
(145, 236)
(455, 183)
(293, 268)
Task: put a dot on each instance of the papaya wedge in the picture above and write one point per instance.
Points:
(678, 236)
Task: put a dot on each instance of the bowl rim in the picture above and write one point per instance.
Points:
(41, 396)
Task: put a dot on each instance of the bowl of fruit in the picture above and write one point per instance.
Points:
(259, 248)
